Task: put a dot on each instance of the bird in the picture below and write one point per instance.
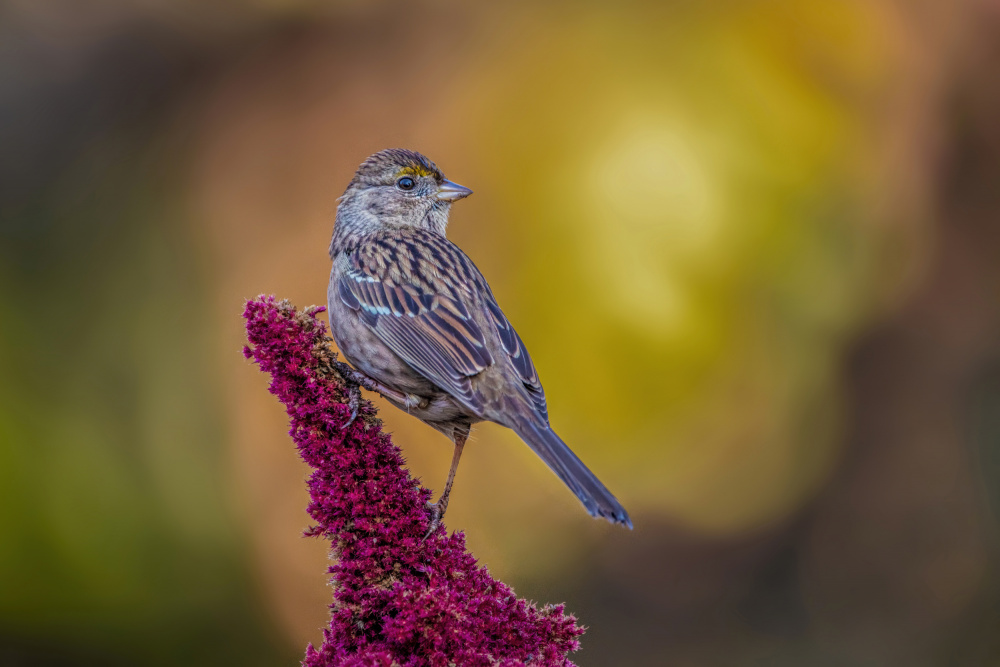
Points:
(418, 323)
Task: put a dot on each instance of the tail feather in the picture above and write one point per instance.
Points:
(571, 470)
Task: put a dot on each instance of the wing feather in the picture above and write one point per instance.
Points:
(430, 329)
(517, 353)
(422, 312)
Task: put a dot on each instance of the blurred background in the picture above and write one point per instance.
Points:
(753, 246)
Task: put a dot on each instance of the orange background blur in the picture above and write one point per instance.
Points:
(754, 248)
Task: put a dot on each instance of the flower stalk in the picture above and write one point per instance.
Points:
(398, 598)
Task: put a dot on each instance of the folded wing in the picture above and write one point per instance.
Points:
(418, 314)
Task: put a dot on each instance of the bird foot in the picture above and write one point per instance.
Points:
(353, 381)
(353, 402)
(436, 513)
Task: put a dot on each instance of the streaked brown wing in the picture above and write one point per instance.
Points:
(420, 317)
(518, 355)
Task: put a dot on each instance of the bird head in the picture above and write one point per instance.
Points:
(398, 188)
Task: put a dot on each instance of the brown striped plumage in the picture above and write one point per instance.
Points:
(412, 313)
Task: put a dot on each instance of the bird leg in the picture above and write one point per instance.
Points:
(354, 379)
(437, 509)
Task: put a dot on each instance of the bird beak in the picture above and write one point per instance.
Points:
(449, 191)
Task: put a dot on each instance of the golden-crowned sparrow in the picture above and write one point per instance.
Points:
(415, 317)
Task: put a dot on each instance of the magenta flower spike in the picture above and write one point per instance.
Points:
(399, 599)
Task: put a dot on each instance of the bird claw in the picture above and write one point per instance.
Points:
(353, 402)
(436, 513)
(353, 381)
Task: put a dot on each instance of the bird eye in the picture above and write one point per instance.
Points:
(405, 183)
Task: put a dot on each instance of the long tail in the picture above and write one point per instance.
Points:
(571, 470)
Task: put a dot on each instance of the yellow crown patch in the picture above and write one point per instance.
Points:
(415, 170)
